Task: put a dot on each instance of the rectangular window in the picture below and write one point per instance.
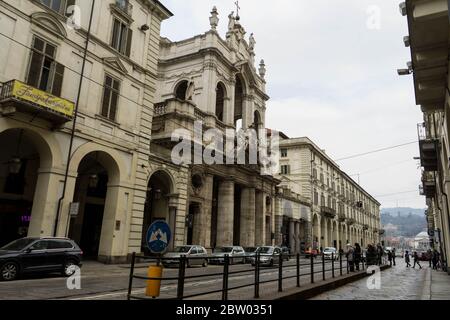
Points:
(111, 93)
(284, 153)
(59, 6)
(121, 37)
(316, 198)
(44, 72)
(285, 169)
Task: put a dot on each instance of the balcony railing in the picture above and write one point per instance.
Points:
(429, 184)
(18, 96)
(328, 212)
(428, 146)
(341, 217)
(351, 221)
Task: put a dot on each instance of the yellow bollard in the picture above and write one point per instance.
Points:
(154, 286)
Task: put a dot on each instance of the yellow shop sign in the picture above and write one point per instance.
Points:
(25, 92)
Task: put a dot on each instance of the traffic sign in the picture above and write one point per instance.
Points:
(158, 236)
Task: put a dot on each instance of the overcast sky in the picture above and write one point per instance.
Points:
(331, 76)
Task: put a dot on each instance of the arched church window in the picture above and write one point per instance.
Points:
(220, 101)
(181, 89)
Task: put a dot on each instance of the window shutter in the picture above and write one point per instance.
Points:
(129, 41)
(58, 79)
(114, 100)
(35, 68)
(115, 35)
(106, 96)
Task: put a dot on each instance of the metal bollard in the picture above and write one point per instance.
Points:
(181, 278)
(323, 267)
(340, 262)
(298, 270)
(332, 264)
(280, 273)
(130, 281)
(226, 268)
(312, 268)
(257, 266)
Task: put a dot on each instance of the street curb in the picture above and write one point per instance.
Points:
(313, 290)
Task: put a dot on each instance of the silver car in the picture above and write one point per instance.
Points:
(268, 256)
(330, 253)
(196, 255)
(236, 254)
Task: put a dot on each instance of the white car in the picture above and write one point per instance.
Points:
(330, 253)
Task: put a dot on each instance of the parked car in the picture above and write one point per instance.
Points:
(236, 254)
(330, 253)
(39, 255)
(196, 255)
(310, 251)
(268, 256)
(249, 252)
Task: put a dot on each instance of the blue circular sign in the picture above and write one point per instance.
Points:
(158, 236)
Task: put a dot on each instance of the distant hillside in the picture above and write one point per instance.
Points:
(403, 211)
(405, 222)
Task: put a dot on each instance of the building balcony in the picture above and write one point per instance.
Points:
(365, 227)
(328, 212)
(351, 221)
(428, 146)
(428, 185)
(176, 114)
(16, 96)
(341, 217)
(124, 8)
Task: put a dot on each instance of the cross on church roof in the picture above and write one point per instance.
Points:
(237, 9)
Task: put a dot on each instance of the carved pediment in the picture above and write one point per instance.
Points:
(50, 23)
(116, 64)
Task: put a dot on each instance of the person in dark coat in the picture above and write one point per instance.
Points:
(357, 253)
(416, 260)
(407, 259)
(435, 259)
(390, 257)
(430, 256)
(380, 254)
(393, 256)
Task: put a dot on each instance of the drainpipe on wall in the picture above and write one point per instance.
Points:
(72, 134)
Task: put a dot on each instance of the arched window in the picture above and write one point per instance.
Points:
(220, 101)
(180, 91)
(238, 102)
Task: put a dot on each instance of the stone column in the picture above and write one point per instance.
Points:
(45, 203)
(205, 215)
(247, 223)
(225, 214)
(297, 237)
(260, 223)
(292, 235)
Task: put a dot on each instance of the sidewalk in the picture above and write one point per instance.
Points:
(437, 286)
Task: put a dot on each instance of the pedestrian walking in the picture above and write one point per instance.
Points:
(435, 259)
(390, 257)
(407, 259)
(393, 256)
(357, 254)
(380, 254)
(350, 258)
(416, 260)
(430, 257)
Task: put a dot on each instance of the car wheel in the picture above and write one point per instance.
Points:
(69, 268)
(205, 263)
(9, 271)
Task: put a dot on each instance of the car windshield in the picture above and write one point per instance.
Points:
(18, 245)
(251, 249)
(182, 249)
(265, 250)
(329, 250)
(225, 249)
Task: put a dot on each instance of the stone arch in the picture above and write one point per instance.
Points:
(180, 89)
(46, 144)
(240, 91)
(109, 158)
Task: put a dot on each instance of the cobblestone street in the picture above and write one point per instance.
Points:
(397, 283)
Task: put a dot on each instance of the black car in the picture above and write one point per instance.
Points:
(31, 255)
